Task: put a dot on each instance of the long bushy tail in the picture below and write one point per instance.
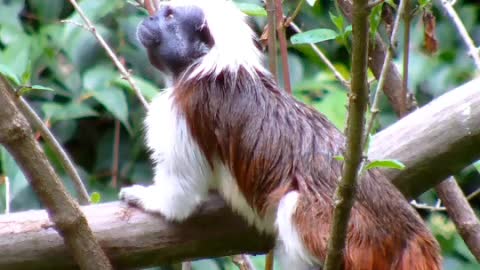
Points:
(421, 252)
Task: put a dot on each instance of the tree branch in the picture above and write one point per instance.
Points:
(377, 54)
(17, 137)
(357, 107)
(461, 213)
(434, 141)
(131, 238)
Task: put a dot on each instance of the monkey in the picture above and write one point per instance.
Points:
(224, 124)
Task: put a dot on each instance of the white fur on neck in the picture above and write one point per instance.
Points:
(182, 172)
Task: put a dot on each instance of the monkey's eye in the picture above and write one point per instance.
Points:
(168, 12)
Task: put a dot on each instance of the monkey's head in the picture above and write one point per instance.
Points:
(209, 35)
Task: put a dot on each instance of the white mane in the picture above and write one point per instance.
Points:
(234, 46)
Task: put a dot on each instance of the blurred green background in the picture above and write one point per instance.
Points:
(92, 110)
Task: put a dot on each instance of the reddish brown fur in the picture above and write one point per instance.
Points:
(274, 144)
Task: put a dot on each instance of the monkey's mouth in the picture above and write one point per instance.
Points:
(147, 35)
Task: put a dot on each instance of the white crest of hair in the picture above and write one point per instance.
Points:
(289, 248)
(234, 45)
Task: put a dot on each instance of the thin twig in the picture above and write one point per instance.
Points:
(110, 53)
(358, 99)
(473, 194)
(324, 58)
(62, 156)
(452, 14)
(386, 64)
(406, 54)
(272, 38)
(116, 150)
(375, 3)
(282, 39)
(425, 206)
(295, 13)
(461, 213)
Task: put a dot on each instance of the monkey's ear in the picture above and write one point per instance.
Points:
(205, 35)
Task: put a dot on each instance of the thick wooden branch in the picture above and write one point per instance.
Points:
(130, 237)
(434, 142)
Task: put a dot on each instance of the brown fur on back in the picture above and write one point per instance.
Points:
(274, 144)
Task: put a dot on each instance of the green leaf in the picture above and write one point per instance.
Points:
(24, 90)
(424, 3)
(95, 197)
(375, 19)
(27, 74)
(347, 29)
(41, 88)
(9, 74)
(73, 110)
(338, 21)
(148, 90)
(339, 158)
(385, 163)
(314, 36)
(115, 101)
(333, 105)
(252, 9)
(391, 3)
(477, 165)
(27, 89)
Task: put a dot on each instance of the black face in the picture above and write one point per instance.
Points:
(175, 37)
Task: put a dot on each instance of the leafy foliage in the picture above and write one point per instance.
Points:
(63, 72)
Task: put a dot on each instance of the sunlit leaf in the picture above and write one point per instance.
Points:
(477, 165)
(41, 88)
(95, 197)
(314, 36)
(252, 9)
(147, 89)
(375, 19)
(338, 21)
(385, 163)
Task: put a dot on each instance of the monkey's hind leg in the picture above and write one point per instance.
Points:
(289, 249)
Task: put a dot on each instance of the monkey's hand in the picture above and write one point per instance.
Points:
(134, 195)
(173, 204)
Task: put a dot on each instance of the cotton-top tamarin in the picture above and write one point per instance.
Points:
(225, 125)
